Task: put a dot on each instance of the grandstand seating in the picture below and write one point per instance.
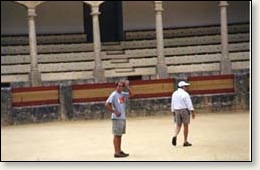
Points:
(44, 39)
(66, 58)
(185, 32)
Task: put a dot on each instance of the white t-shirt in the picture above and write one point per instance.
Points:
(118, 102)
(181, 100)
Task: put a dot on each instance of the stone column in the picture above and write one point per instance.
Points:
(66, 103)
(98, 69)
(161, 65)
(6, 106)
(225, 64)
(34, 75)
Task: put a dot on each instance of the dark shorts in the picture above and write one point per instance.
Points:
(118, 127)
(182, 116)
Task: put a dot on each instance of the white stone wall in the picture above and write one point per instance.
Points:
(140, 15)
(57, 17)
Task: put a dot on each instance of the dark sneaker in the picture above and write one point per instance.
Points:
(126, 154)
(187, 144)
(174, 139)
(121, 155)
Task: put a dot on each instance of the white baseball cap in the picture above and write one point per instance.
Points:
(183, 83)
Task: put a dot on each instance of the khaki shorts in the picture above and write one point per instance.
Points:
(182, 116)
(118, 127)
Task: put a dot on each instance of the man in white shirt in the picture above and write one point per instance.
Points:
(182, 107)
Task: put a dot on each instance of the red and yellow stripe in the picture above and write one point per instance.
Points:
(30, 96)
(91, 92)
(152, 88)
(140, 89)
(211, 84)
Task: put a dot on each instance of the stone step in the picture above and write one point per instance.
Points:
(116, 52)
(111, 46)
(124, 70)
(119, 60)
(110, 43)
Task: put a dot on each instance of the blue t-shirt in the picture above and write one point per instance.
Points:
(118, 102)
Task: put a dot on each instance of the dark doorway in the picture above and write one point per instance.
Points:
(5, 84)
(110, 21)
(132, 78)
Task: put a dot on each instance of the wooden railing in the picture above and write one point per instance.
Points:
(200, 85)
(214, 84)
(30, 96)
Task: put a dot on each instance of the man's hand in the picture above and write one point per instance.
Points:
(127, 84)
(128, 88)
(117, 113)
(192, 114)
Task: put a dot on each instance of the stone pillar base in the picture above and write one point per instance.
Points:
(66, 104)
(35, 78)
(225, 66)
(162, 71)
(6, 106)
(99, 75)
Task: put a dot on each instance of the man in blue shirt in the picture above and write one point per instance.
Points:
(116, 103)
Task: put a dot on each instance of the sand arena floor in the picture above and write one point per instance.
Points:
(215, 137)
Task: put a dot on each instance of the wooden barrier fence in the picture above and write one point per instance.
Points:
(201, 85)
(214, 84)
(31, 96)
